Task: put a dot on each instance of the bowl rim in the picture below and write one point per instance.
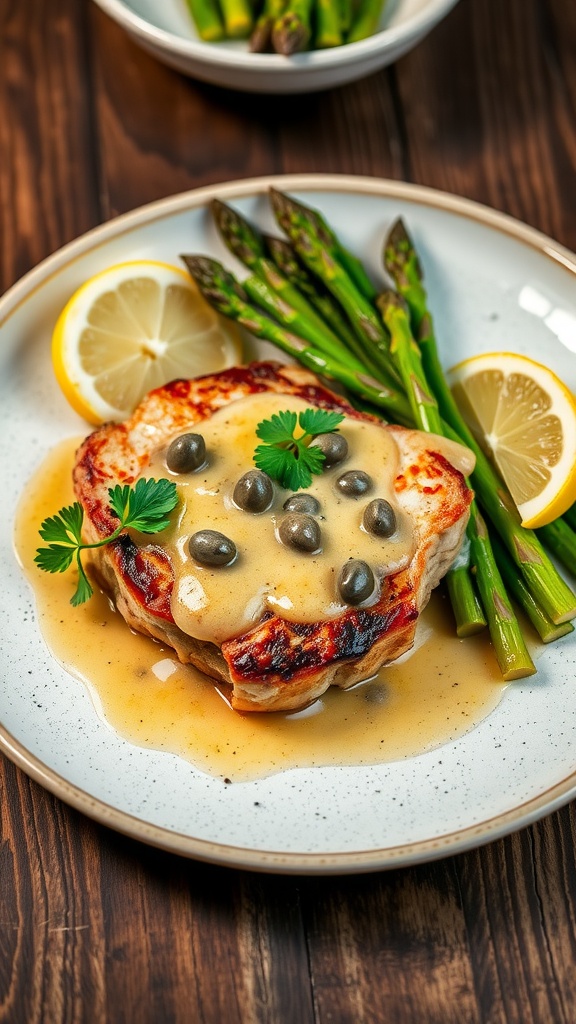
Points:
(338, 56)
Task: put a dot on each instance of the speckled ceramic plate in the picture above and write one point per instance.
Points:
(494, 284)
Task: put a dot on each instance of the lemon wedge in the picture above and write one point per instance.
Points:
(132, 328)
(525, 419)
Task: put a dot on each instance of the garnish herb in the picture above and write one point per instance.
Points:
(144, 507)
(293, 460)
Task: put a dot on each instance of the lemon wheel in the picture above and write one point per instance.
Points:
(132, 328)
(525, 419)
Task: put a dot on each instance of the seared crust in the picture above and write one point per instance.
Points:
(278, 665)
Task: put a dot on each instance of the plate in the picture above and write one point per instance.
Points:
(493, 283)
(167, 32)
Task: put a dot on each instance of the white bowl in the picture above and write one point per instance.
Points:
(167, 31)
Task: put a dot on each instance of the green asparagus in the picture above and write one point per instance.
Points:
(238, 18)
(288, 210)
(261, 37)
(541, 577)
(278, 306)
(286, 26)
(570, 517)
(561, 539)
(292, 31)
(247, 244)
(328, 24)
(315, 246)
(208, 19)
(223, 292)
(283, 255)
(546, 629)
(509, 646)
(346, 11)
(366, 20)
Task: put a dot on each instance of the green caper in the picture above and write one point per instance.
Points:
(379, 518)
(300, 531)
(356, 581)
(334, 447)
(354, 483)
(254, 491)
(209, 547)
(302, 503)
(186, 453)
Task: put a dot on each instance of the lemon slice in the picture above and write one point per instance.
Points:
(525, 419)
(133, 328)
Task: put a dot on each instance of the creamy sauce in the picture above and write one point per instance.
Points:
(219, 603)
(433, 695)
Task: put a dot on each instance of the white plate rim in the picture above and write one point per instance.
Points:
(277, 861)
(212, 54)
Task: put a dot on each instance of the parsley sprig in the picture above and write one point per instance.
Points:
(144, 507)
(289, 459)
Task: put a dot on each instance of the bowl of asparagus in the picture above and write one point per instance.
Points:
(278, 46)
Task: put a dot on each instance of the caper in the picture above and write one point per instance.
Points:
(300, 531)
(354, 483)
(334, 447)
(302, 503)
(253, 491)
(209, 547)
(186, 453)
(356, 581)
(379, 518)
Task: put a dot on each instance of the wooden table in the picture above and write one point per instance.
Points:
(94, 927)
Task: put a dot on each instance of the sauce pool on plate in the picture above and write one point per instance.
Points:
(434, 694)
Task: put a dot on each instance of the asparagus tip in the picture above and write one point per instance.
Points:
(389, 298)
(398, 234)
(261, 37)
(290, 35)
(223, 214)
(399, 248)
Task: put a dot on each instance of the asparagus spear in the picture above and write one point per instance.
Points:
(208, 19)
(328, 24)
(405, 352)
(366, 20)
(286, 207)
(329, 310)
(561, 539)
(292, 31)
(570, 517)
(346, 10)
(316, 248)
(465, 604)
(541, 577)
(261, 37)
(509, 646)
(238, 19)
(279, 308)
(224, 293)
(543, 625)
(246, 243)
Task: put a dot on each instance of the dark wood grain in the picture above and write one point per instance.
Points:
(94, 927)
(49, 188)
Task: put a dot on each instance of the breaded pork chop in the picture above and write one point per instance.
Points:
(277, 664)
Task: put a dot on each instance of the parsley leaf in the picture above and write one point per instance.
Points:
(279, 428)
(319, 421)
(290, 459)
(144, 507)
